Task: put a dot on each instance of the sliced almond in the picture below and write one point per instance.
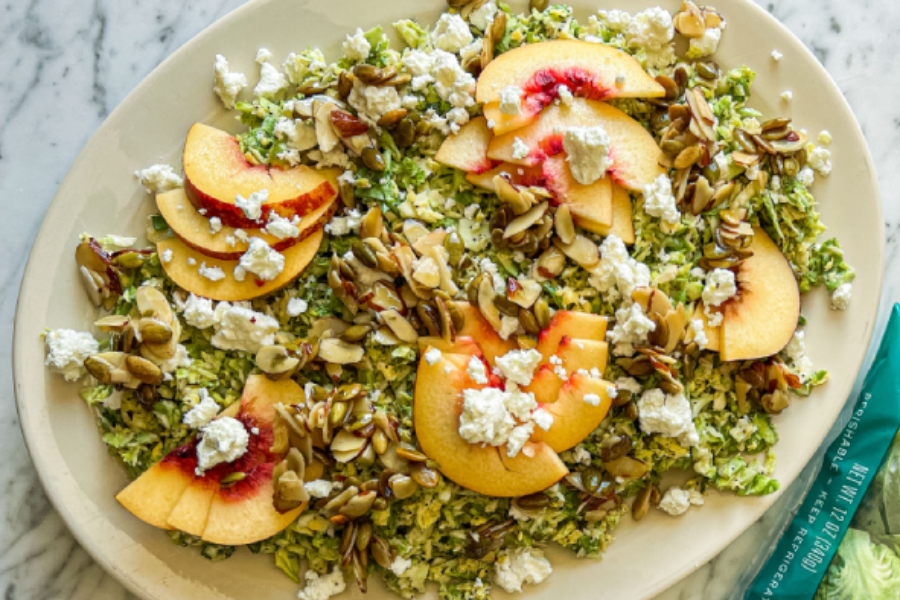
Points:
(523, 292)
(426, 272)
(332, 324)
(402, 328)
(508, 194)
(414, 230)
(438, 254)
(486, 303)
(526, 220)
(677, 321)
(384, 336)
(325, 133)
(345, 441)
(652, 301)
(340, 352)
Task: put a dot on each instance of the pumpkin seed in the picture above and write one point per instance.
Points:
(642, 502)
(776, 123)
(672, 148)
(776, 134)
(382, 551)
(368, 74)
(537, 500)
(538, 5)
(529, 322)
(688, 157)
(405, 134)
(709, 70)
(542, 313)
(373, 159)
(154, 331)
(615, 447)
(403, 486)
(775, 402)
(392, 118)
(424, 476)
(626, 467)
(144, 370)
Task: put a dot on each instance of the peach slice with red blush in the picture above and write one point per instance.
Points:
(591, 205)
(216, 171)
(567, 323)
(466, 150)
(634, 153)
(588, 70)
(516, 174)
(574, 418)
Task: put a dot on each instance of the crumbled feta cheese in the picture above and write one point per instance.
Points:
(840, 298)
(706, 45)
(592, 399)
(262, 260)
(696, 333)
(223, 441)
(320, 488)
(451, 33)
(581, 455)
(457, 117)
(215, 225)
(296, 307)
(720, 286)
(518, 567)
(587, 150)
(742, 430)
(777, 56)
(252, 205)
(668, 415)
(432, 356)
(651, 29)
(477, 371)
(67, 351)
(228, 83)
(243, 329)
(373, 101)
(357, 47)
(820, 161)
(631, 329)
(518, 437)
(345, 225)
(159, 178)
(612, 391)
(825, 138)
(298, 134)
(213, 273)
(542, 419)
(620, 79)
(508, 326)
(489, 416)
(400, 565)
(520, 149)
(322, 587)
(281, 227)
(241, 235)
(483, 16)
(806, 176)
(713, 316)
(472, 51)
(795, 357)
(614, 20)
(617, 274)
(271, 82)
(677, 501)
(452, 83)
(198, 312)
(262, 55)
(181, 359)
(166, 255)
(659, 201)
(511, 100)
(519, 365)
(787, 96)
(191, 261)
(203, 412)
(565, 94)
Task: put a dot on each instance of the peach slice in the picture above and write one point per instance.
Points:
(587, 69)
(575, 354)
(466, 150)
(574, 418)
(261, 394)
(192, 511)
(623, 224)
(461, 345)
(187, 276)
(477, 327)
(567, 323)
(713, 334)
(591, 205)
(215, 172)
(635, 154)
(193, 229)
(761, 319)
(517, 175)
(436, 409)
(154, 495)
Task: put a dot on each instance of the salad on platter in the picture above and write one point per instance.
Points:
(441, 303)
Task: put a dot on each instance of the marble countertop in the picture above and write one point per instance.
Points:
(66, 65)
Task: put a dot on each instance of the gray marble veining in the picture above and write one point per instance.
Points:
(64, 65)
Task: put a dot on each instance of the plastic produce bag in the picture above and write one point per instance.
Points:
(830, 550)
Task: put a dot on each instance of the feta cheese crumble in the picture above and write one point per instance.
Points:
(659, 201)
(271, 82)
(668, 415)
(820, 161)
(795, 357)
(518, 365)
(159, 178)
(223, 441)
(198, 312)
(451, 33)
(520, 149)
(320, 488)
(511, 100)
(519, 567)
(322, 587)
(67, 351)
(706, 45)
(477, 371)
(260, 259)
(483, 16)
(631, 329)
(432, 356)
(215, 225)
(787, 96)
(720, 286)
(400, 565)
(587, 150)
(565, 94)
(203, 412)
(492, 416)
(777, 56)
(228, 83)
(696, 333)
(617, 274)
(167, 255)
(592, 399)
(296, 307)
(840, 298)
(742, 430)
(252, 205)
(357, 47)
(282, 227)
(213, 273)
(243, 329)
(677, 501)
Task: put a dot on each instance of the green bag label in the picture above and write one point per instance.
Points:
(795, 568)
